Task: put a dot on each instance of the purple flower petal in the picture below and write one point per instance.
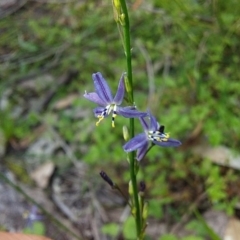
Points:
(169, 143)
(142, 151)
(120, 92)
(33, 216)
(144, 123)
(94, 98)
(154, 125)
(130, 112)
(102, 88)
(98, 111)
(135, 143)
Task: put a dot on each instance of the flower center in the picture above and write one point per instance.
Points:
(106, 111)
(158, 136)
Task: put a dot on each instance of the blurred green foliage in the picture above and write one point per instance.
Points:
(193, 50)
(111, 229)
(37, 228)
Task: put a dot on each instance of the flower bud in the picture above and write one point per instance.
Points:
(117, 4)
(122, 19)
(130, 188)
(125, 133)
(145, 211)
(127, 84)
(142, 186)
(106, 178)
(116, 10)
(142, 189)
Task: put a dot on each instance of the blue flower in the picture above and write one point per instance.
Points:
(107, 104)
(32, 216)
(154, 133)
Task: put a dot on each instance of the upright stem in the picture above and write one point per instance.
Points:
(133, 176)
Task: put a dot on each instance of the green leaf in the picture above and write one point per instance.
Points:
(155, 209)
(25, 45)
(129, 229)
(110, 229)
(168, 237)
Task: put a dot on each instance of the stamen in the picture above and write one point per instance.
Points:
(114, 115)
(102, 115)
(113, 124)
(158, 136)
(167, 136)
(100, 118)
(113, 118)
(106, 111)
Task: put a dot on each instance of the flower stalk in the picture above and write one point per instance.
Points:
(128, 54)
(137, 146)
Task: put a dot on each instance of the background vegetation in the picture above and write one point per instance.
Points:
(186, 70)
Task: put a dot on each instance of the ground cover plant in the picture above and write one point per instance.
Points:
(184, 54)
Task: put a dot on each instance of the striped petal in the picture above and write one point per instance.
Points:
(154, 125)
(169, 143)
(120, 92)
(98, 111)
(94, 98)
(102, 88)
(144, 123)
(142, 151)
(135, 143)
(130, 112)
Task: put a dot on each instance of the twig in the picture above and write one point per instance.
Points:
(150, 71)
(29, 60)
(200, 51)
(125, 214)
(97, 209)
(64, 80)
(17, 6)
(30, 199)
(64, 209)
(65, 146)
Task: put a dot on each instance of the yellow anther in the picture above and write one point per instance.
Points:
(25, 214)
(159, 138)
(167, 135)
(114, 107)
(100, 118)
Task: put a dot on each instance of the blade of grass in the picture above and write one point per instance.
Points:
(209, 230)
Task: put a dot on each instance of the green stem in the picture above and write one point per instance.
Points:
(57, 222)
(133, 174)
